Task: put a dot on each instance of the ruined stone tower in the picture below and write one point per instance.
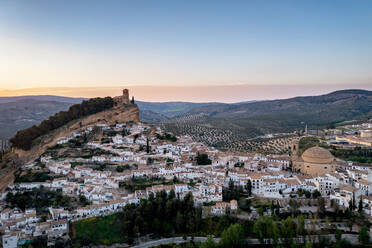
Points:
(123, 100)
(125, 96)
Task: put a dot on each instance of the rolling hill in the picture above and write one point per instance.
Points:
(230, 125)
(23, 113)
(348, 103)
(246, 119)
(171, 109)
(315, 111)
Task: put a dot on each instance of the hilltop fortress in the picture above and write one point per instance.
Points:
(123, 111)
(122, 100)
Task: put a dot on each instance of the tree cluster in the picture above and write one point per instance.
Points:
(203, 159)
(306, 143)
(232, 192)
(270, 231)
(163, 215)
(121, 168)
(32, 177)
(283, 233)
(167, 136)
(358, 154)
(40, 199)
(24, 138)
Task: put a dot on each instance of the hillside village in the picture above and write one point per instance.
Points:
(138, 151)
(101, 168)
(185, 124)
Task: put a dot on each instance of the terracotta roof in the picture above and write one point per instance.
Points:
(365, 182)
(347, 188)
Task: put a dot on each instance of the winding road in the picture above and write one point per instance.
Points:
(352, 238)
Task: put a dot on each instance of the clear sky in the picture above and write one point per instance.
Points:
(86, 43)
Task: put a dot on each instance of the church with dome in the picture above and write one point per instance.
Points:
(315, 161)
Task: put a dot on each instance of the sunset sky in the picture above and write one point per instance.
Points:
(185, 50)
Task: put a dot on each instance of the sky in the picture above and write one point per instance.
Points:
(185, 50)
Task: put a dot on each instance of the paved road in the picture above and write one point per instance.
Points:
(175, 240)
(352, 238)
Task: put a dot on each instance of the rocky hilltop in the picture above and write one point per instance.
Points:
(122, 111)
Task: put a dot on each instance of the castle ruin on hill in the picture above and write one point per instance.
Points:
(123, 100)
(124, 111)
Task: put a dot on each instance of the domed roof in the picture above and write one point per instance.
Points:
(317, 155)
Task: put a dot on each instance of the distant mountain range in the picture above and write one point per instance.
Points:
(24, 113)
(254, 117)
(313, 110)
(285, 115)
(44, 98)
(233, 126)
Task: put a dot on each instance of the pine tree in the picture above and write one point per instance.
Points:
(249, 187)
(360, 206)
(147, 146)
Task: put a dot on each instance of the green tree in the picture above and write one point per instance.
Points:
(265, 228)
(294, 205)
(301, 225)
(316, 194)
(147, 145)
(209, 243)
(360, 205)
(244, 204)
(363, 236)
(343, 243)
(300, 192)
(203, 159)
(338, 234)
(321, 205)
(350, 223)
(249, 187)
(277, 209)
(233, 236)
(260, 211)
(324, 241)
(308, 244)
(272, 208)
(287, 230)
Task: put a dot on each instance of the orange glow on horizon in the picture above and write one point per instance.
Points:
(226, 93)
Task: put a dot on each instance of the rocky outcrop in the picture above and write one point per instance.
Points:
(119, 114)
(8, 166)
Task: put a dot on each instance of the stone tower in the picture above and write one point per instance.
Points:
(125, 96)
(294, 149)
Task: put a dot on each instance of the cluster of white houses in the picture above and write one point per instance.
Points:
(148, 157)
(20, 227)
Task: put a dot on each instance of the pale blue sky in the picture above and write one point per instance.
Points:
(111, 43)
